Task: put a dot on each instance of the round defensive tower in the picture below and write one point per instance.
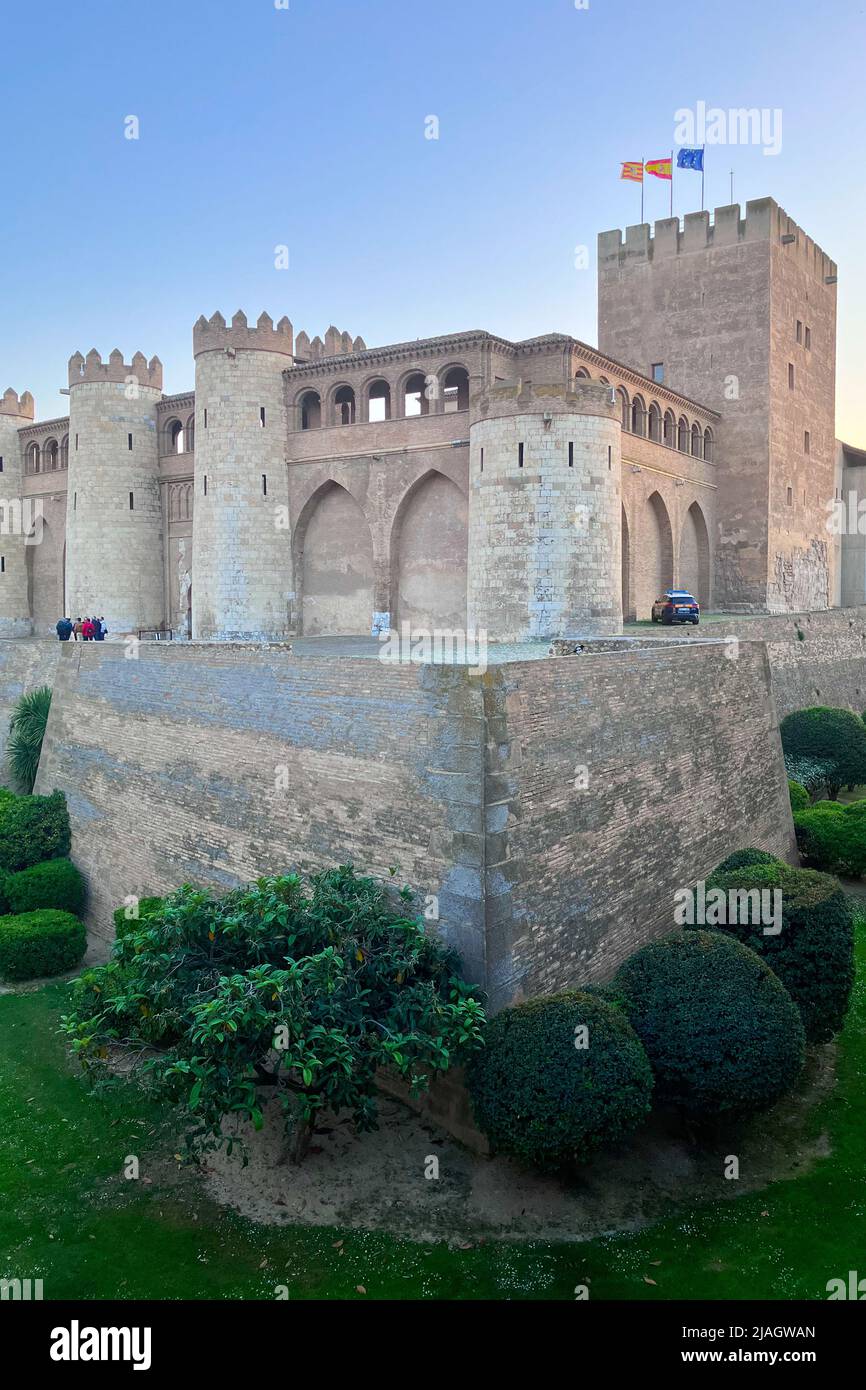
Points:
(114, 552)
(241, 546)
(545, 512)
(15, 521)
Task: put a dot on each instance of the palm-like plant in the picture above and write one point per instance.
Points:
(26, 732)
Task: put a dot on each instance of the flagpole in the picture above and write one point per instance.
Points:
(703, 162)
(642, 177)
(672, 183)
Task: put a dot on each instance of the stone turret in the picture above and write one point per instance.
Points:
(545, 512)
(241, 543)
(17, 522)
(114, 548)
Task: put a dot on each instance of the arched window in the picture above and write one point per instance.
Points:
(625, 407)
(64, 451)
(670, 429)
(683, 435)
(638, 416)
(311, 410)
(709, 441)
(582, 372)
(344, 406)
(379, 401)
(51, 456)
(175, 437)
(190, 434)
(455, 390)
(697, 442)
(416, 400)
(655, 423)
(32, 458)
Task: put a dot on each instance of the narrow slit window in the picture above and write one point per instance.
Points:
(1, 463)
(76, 443)
(571, 453)
(75, 501)
(2, 564)
(609, 456)
(520, 456)
(132, 502)
(808, 339)
(482, 458)
(205, 484)
(790, 376)
(807, 443)
(129, 441)
(205, 417)
(264, 484)
(262, 415)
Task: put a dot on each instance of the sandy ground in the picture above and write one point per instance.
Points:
(377, 1181)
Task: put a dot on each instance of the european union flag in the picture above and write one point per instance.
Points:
(691, 159)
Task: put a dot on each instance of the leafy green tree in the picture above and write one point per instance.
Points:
(26, 732)
(282, 989)
(835, 738)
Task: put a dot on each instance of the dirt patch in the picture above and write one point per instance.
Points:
(379, 1181)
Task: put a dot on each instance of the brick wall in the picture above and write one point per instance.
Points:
(23, 666)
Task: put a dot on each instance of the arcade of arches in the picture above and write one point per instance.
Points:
(657, 554)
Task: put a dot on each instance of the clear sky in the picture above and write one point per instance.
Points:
(305, 126)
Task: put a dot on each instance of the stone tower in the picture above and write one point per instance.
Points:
(242, 569)
(545, 512)
(114, 555)
(741, 314)
(15, 620)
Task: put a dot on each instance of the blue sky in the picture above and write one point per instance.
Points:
(305, 126)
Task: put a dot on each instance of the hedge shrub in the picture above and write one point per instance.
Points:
(800, 798)
(813, 954)
(40, 943)
(742, 858)
(147, 907)
(832, 836)
(55, 883)
(722, 1033)
(836, 737)
(538, 1096)
(33, 828)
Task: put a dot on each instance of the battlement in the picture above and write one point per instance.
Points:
(334, 344)
(525, 397)
(215, 335)
(23, 406)
(92, 368)
(764, 221)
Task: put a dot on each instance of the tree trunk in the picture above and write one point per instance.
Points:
(298, 1142)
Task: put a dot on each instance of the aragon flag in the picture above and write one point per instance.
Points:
(661, 168)
(633, 169)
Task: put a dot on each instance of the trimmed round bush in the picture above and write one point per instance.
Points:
(56, 883)
(147, 907)
(832, 836)
(544, 1099)
(40, 943)
(834, 736)
(742, 858)
(723, 1036)
(800, 798)
(33, 828)
(813, 954)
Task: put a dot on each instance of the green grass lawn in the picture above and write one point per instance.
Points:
(70, 1218)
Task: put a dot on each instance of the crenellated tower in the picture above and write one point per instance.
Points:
(242, 570)
(15, 413)
(114, 547)
(545, 512)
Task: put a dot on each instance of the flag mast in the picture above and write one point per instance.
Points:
(642, 177)
(703, 162)
(672, 183)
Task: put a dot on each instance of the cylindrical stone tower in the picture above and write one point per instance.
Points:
(114, 548)
(16, 521)
(241, 544)
(545, 512)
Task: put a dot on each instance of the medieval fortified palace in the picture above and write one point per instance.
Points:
(533, 489)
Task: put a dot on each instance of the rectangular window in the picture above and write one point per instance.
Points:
(264, 484)
(790, 376)
(520, 456)
(808, 339)
(790, 497)
(807, 443)
(131, 503)
(571, 453)
(2, 564)
(205, 417)
(799, 331)
(609, 457)
(75, 501)
(262, 415)
(129, 441)
(482, 458)
(76, 443)
(1, 463)
(658, 371)
(205, 484)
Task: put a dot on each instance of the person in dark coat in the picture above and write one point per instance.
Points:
(64, 629)
(100, 629)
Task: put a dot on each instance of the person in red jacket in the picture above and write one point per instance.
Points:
(87, 629)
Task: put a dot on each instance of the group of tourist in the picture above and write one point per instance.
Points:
(82, 630)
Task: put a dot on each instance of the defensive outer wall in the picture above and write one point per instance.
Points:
(215, 763)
